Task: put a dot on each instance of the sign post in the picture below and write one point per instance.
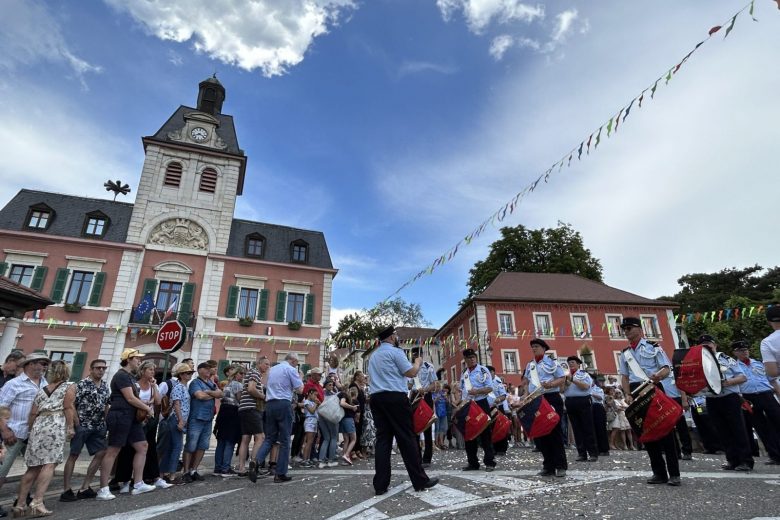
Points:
(170, 338)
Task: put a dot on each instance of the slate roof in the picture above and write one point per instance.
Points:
(560, 288)
(69, 214)
(226, 129)
(278, 239)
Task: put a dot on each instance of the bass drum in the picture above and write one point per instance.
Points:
(697, 368)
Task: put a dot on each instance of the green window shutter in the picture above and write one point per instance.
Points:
(221, 364)
(39, 276)
(281, 302)
(150, 286)
(262, 305)
(309, 315)
(58, 289)
(305, 368)
(185, 305)
(77, 369)
(232, 301)
(3, 267)
(97, 289)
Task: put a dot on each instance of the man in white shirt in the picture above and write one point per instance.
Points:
(770, 345)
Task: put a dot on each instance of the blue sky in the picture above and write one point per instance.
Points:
(397, 126)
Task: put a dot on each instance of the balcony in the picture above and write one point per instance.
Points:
(155, 319)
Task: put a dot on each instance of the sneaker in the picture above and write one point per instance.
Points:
(86, 493)
(142, 487)
(253, 471)
(282, 478)
(333, 464)
(104, 494)
(229, 473)
(197, 476)
(560, 472)
(322, 465)
(68, 496)
(161, 484)
(125, 488)
(186, 478)
(298, 459)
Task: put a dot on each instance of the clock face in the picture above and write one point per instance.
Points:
(199, 134)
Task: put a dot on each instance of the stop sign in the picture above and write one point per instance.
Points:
(171, 336)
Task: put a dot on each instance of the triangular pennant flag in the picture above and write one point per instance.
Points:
(625, 116)
(641, 97)
(753, 6)
(652, 90)
(731, 26)
(598, 139)
(617, 119)
(714, 30)
(579, 152)
(609, 126)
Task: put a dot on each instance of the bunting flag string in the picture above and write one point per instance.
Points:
(727, 314)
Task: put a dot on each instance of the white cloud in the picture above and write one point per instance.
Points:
(29, 35)
(500, 45)
(414, 67)
(270, 35)
(336, 315)
(480, 13)
(563, 24)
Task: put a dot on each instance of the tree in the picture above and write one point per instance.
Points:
(369, 322)
(554, 250)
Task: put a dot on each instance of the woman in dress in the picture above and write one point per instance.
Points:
(621, 433)
(51, 425)
(359, 383)
(228, 427)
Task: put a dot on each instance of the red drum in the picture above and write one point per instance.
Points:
(653, 414)
(471, 420)
(697, 368)
(501, 427)
(538, 418)
(422, 416)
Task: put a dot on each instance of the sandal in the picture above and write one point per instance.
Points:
(38, 509)
(18, 511)
(346, 459)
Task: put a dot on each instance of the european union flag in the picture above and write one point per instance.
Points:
(144, 308)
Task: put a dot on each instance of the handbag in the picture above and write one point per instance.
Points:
(331, 409)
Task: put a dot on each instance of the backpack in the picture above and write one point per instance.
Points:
(165, 405)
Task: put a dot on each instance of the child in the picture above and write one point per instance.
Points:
(310, 405)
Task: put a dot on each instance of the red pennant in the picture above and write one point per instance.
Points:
(717, 27)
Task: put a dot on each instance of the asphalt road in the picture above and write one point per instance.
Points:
(612, 488)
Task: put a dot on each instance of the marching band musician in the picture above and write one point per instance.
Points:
(578, 407)
(426, 380)
(684, 448)
(655, 364)
(498, 398)
(725, 410)
(475, 385)
(766, 409)
(546, 373)
(599, 416)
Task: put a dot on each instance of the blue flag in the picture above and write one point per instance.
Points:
(144, 308)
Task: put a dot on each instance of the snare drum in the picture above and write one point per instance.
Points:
(697, 368)
(471, 420)
(422, 416)
(653, 414)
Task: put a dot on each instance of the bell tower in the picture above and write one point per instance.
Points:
(211, 95)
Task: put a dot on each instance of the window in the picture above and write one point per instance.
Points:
(453, 379)
(95, 224)
(59, 355)
(255, 245)
(22, 274)
(472, 326)
(299, 251)
(208, 180)
(247, 303)
(39, 217)
(173, 175)
(295, 304)
(580, 327)
(613, 326)
(506, 324)
(543, 324)
(168, 296)
(510, 361)
(462, 366)
(650, 326)
(80, 285)
(461, 335)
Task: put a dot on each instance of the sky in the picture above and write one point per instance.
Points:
(396, 127)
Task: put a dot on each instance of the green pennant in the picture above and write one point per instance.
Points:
(609, 126)
(652, 90)
(752, 8)
(598, 139)
(669, 76)
(731, 26)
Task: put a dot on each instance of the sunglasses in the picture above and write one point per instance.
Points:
(99, 368)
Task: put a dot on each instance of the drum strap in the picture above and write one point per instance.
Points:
(417, 384)
(634, 366)
(534, 374)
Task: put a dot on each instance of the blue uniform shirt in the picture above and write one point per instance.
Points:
(756, 377)
(386, 369)
(283, 379)
(498, 391)
(575, 391)
(670, 387)
(548, 369)
(427, 374)
(730, 369)
(479, 378)
(597, 394)
(651, 359)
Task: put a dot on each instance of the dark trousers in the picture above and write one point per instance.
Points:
(484, 439)
(393, 418)
(752, 441)
(580, 415)
(124, 461)
(298, 433)
(662, 449)
(427, 453)
(709, 439)
(726, 415)
(502, 445)
(683, 440)
(551, 445)
(766, 420)
(600, 427)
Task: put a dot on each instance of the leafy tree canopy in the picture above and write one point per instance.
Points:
(368, 322)
(554, 250)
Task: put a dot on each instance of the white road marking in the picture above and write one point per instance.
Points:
(775, 482)
(359, 508)
(441, 495)
(151, 512)
(373, 514)
(501, 481)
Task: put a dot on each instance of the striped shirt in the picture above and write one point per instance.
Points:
(18, 394)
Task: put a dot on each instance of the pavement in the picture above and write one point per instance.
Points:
(612, 488)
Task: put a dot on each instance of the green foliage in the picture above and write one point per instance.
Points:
(554, 250)
(367, 323)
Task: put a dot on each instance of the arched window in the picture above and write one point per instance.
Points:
(299, 252)
(208, 180)
(173, 175)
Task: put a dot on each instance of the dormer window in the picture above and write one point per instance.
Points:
(299, 252)
(208, 180)
(173, 175)
(39, 217)
(95, 225)
(255, 245)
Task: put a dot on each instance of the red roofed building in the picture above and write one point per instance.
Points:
(574, 315)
